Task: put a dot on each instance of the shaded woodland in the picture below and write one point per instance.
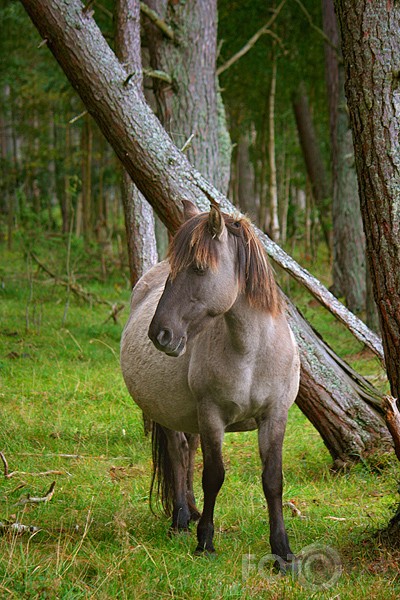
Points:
(273, 135)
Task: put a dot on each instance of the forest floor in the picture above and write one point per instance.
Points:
(64, 408)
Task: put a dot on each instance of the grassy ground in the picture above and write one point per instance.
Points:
(61, 393)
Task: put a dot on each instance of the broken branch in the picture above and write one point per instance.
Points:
(157, 21)
(392, 418)
(8, 475)
(37, 500)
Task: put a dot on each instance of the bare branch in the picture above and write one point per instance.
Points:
(188, 143)
(8, 475)
(158, 74)
(37, 500)
(74, 119)
(79, 291)
(248, 46)
(318, 30)
(392, 418)
(157, 21)
(5, 463)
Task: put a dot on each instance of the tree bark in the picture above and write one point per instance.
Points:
(371, 52)
(339, 402)
(139, 218)
(159, 170)
(190, 108)
(348, 269)
(273, 187)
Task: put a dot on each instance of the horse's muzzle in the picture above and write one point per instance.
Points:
(164, 341)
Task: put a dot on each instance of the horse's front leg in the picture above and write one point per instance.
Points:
(211, 435)
(193, 443)
(271, 432)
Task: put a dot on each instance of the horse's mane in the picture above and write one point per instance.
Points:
(195, 245)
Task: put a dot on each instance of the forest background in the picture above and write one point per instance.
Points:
(60, 179)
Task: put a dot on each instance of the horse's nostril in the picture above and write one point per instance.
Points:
(164, 337)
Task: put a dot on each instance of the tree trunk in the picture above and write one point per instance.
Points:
(146, 151)
(313, 160)
(86, 149)
(371, 52)
(190, 108)
(139, 219)
(246, 178)
(348, 269)
(273, 187)
(339, 402)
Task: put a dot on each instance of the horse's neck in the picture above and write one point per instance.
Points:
(246, 326)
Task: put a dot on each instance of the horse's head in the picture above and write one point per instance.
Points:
(213, 258)
(202, 282)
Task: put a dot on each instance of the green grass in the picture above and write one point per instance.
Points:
(61, 392)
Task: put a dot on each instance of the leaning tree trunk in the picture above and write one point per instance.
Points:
(157, 167)
(139, 219)
(330, 391)
(348, 269)
(371, 52)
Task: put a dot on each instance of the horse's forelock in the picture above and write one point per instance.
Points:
(195, 245)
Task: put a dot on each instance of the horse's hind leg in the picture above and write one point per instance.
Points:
(271, 431)
(193, 442)
(170, 471)
(178, 449)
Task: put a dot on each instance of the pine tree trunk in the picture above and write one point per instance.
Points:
(273, 187)
(333, 397)
(86, 149)
(371, 51)
(190, 108)
(158, 168)
(246, 178)
(348, 269)
(139, 219)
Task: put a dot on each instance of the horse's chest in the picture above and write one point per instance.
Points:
(237, 384)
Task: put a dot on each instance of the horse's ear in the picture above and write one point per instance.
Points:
(189, 210)
(216, 222)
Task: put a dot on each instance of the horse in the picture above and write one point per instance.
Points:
(207, 349)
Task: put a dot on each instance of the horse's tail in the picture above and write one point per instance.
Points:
(162, 479)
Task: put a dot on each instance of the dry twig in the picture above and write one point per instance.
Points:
(8, 475)
(37, 500)
(296, 512)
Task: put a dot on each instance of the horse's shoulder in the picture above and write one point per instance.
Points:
(152, 280)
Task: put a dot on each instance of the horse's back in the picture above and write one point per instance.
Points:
(157, 382)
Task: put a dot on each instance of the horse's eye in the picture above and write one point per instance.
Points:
(198, 270)
(236, 224)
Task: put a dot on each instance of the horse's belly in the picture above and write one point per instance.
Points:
(158, 385)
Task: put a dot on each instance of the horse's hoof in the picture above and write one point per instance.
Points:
(206, 552)
(288, 567)
(174, 531)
